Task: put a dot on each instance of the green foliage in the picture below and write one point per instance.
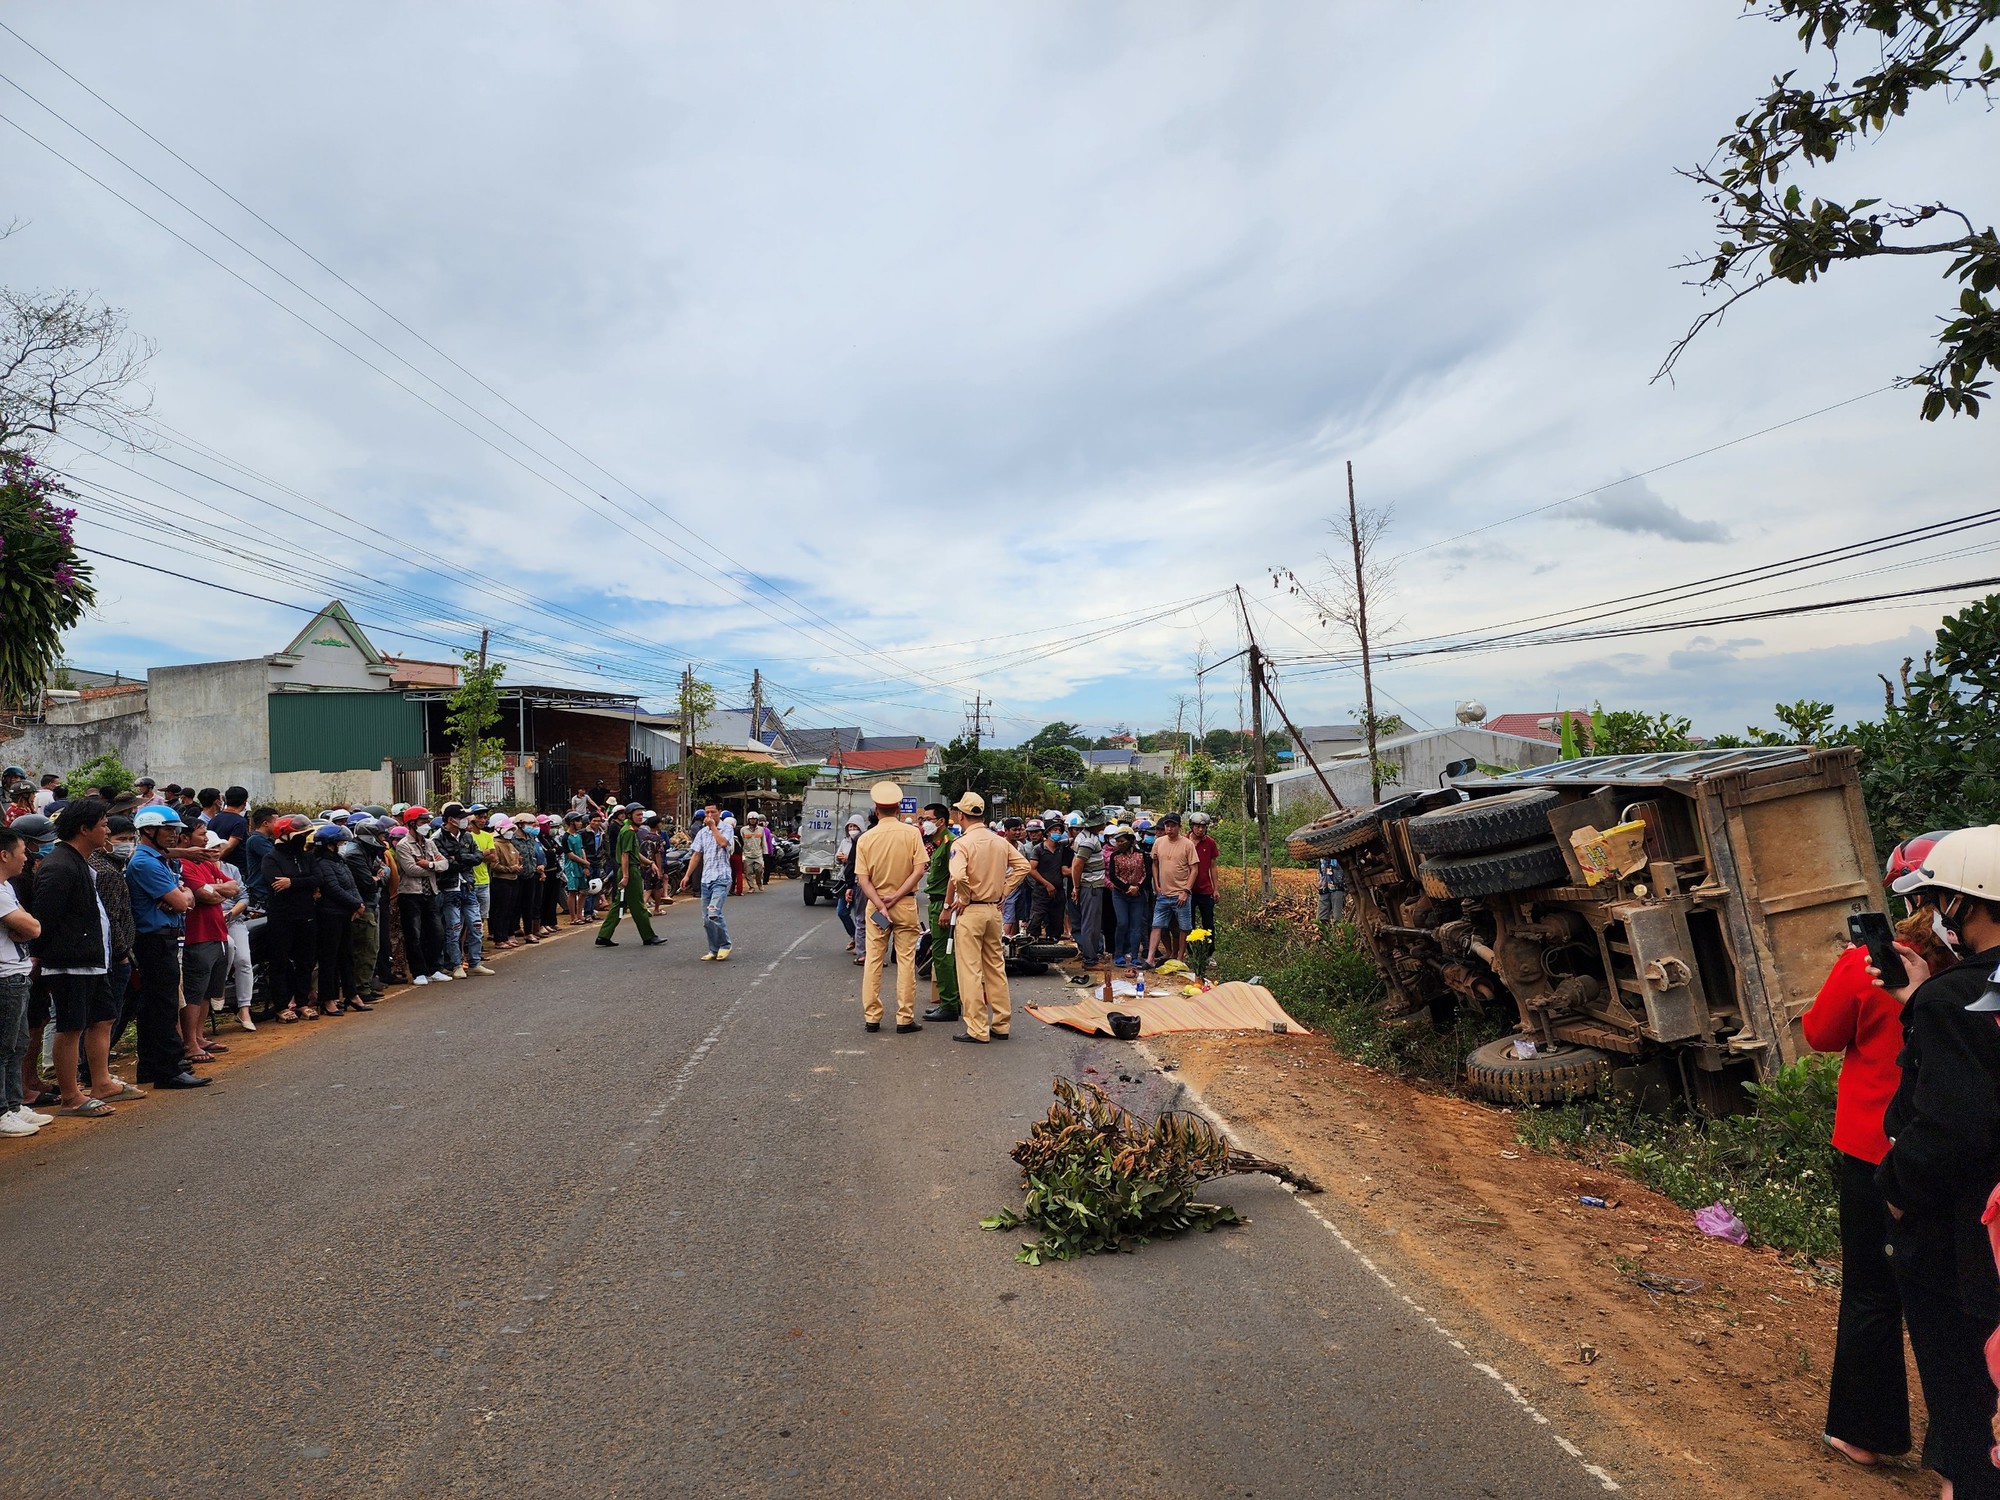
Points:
(470, 713)
(45, 585)
(1768, 232)
(696, 704)
(719, 774)
(1775, 1166)
(104, 770)
(1933, 760)
(1006, 772)
(1629, 732)
(1097, 1180)
(1329, 982)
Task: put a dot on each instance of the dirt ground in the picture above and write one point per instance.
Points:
(1714, 1380)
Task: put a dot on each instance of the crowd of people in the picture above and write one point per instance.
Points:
(1917, 1132)
(134, 911)
(1126, 894)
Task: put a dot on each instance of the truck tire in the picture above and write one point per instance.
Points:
(812, 895)
(1485, 823)
(1553, 1076)
(1048, 953)
(1320, 840)
(1519, 869)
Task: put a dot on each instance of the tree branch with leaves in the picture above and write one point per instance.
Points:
(1769, 231)
(470, 715)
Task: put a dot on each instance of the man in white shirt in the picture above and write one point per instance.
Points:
(709, 865)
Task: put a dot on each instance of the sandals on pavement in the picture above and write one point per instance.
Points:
(90, 1109)
(287, 1015)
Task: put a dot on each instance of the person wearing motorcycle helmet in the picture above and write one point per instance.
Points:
(291, 878)
(333, 920)
(367, 860)
(1868, 1402)
(418, 867)
(1942, 1166)
(575, 864)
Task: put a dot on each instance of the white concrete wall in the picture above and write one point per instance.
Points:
(340, 667)
(327, 788)
(63, 747)
(211, 725)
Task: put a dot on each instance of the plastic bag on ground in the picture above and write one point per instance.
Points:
(1719, 1221)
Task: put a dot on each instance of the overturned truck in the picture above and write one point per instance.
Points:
(1657, 923)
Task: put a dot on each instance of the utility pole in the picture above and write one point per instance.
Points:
(978, 706)
(483, 635)
(757, 705)
(1361, 630)
(1260, 789)
(686, 809)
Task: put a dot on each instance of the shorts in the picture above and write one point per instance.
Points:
(204, 967)
(1172, 912)
(40, 1011)
(80, 1000)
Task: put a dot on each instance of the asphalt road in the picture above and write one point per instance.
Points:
(627, 1224)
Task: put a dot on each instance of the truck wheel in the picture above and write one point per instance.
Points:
(812, 895)
(1554, 1075)
(1519, 869)
(1319, 840)
(1485, 823)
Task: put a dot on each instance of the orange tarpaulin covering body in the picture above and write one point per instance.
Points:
(1235, 1006)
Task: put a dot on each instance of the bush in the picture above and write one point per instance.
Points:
(1329, 982)
(104, 770)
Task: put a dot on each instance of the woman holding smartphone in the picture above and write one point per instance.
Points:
(1868, 1402)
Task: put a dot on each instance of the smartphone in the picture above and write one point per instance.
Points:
(1871, 930)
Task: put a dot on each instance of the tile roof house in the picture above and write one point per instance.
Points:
(1538, 726)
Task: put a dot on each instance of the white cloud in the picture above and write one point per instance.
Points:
(957, 324)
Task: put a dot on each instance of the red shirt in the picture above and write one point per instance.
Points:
(1864, 1022)
(205, 924)
(1205, 851)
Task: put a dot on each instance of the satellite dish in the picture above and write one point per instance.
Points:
(1471, 711)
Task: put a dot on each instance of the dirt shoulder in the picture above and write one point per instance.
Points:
(1715, 1389)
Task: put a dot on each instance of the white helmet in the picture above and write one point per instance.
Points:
(1966, 859)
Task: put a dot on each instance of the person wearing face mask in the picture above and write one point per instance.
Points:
(108, 865)
(1943, 1161)
(38, 836)
(291, 875)
(161, 901)
(18, 929)
(1868, 1402)
(418, 865)
(939, 836)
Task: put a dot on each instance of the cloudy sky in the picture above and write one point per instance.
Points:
(906, 352)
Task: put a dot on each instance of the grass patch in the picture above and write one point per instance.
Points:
(1775, 1166)
(1329, 982)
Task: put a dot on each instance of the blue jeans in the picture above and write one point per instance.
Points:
(460, 909)
(713, 893)
(1131, 937)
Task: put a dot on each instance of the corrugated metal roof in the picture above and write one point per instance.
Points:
(1673, 765)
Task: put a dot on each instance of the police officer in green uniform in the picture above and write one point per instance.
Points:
(944, 969)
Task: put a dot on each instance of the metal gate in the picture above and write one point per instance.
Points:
(635, 779)
(552, 780)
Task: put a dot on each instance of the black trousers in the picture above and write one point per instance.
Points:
(506, 918)
(385, 951)
(1045, 914)
(1869, 1401)
(158, 958)
(336, 970)
(423, 932)
(294, 953)
(1949, 1344)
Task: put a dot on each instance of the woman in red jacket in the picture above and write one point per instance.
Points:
(1868, 1405)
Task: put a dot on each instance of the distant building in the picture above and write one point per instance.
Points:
(1546, 726)
(1419, 759)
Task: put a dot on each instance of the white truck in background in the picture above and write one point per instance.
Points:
(821, 821)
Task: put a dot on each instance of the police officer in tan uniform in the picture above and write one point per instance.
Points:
(985, 869)
(889, 860)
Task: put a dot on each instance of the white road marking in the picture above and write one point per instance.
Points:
(1203, 1108)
